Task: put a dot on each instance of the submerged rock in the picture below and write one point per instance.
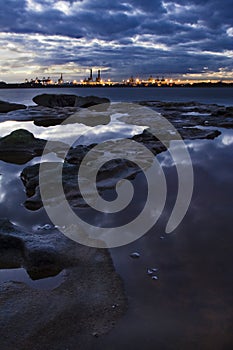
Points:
(6, 107)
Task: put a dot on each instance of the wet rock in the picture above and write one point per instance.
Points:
(21, 146)
(6, 107)
(53, 100)
(46, 227)
(182, 114)
(195, 133)
(11, 246)
(154, 278)
(151, 271)
(45, 313)
(135, 255)
(41, 263)
(95, 334)
(150, 141)
(156, 146)
(108, 175)
(51, 116)
(42, 116)
(89, 101)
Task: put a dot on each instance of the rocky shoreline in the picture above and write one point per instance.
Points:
(86, 305)
(91, 298)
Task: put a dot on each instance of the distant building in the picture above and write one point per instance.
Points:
(60, 80)
(98, 79)
(91, 75)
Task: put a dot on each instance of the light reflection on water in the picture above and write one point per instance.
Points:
(84, 134)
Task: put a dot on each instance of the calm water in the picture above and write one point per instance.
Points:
(223, 96)
(189, 306)
(20, 275)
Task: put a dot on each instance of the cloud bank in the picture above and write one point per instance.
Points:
(138, 37)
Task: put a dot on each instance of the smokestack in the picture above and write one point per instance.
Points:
(99, 74)
(91, 75)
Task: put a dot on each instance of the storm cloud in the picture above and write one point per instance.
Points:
(138, 37)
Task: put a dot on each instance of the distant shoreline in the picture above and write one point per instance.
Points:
(40, 86)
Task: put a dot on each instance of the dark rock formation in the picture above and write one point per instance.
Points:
(68, 315)
(52, 100)
(6, 107)
(189, 114)
(46, 116)
(21, 146)
(108, 176)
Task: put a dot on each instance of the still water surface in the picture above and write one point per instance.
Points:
(222, 96)
(189, 305)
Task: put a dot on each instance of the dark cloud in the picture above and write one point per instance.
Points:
(125, 36)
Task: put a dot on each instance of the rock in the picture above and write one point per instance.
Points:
(154, 278)
(89, 286)
(21, 146)
(107, 178)
(182, 114)
(108, 175)
(135, 255)
(11, 246)
(89, 101)
(150, 141)
(43, 262)
(6, 107)
(47, 116)
(42, 116)
(45, 227)
(95, 334)
(195, 133)
(52, 100)
(151, 271)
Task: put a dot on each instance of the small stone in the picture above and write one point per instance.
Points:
(115, 305)
(135, 255)
(95, 334)
(155, 269)
(162, 237)
(154, 278)
(150, 271)
(45, 227)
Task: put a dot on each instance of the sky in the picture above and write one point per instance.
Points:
(181, 38)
